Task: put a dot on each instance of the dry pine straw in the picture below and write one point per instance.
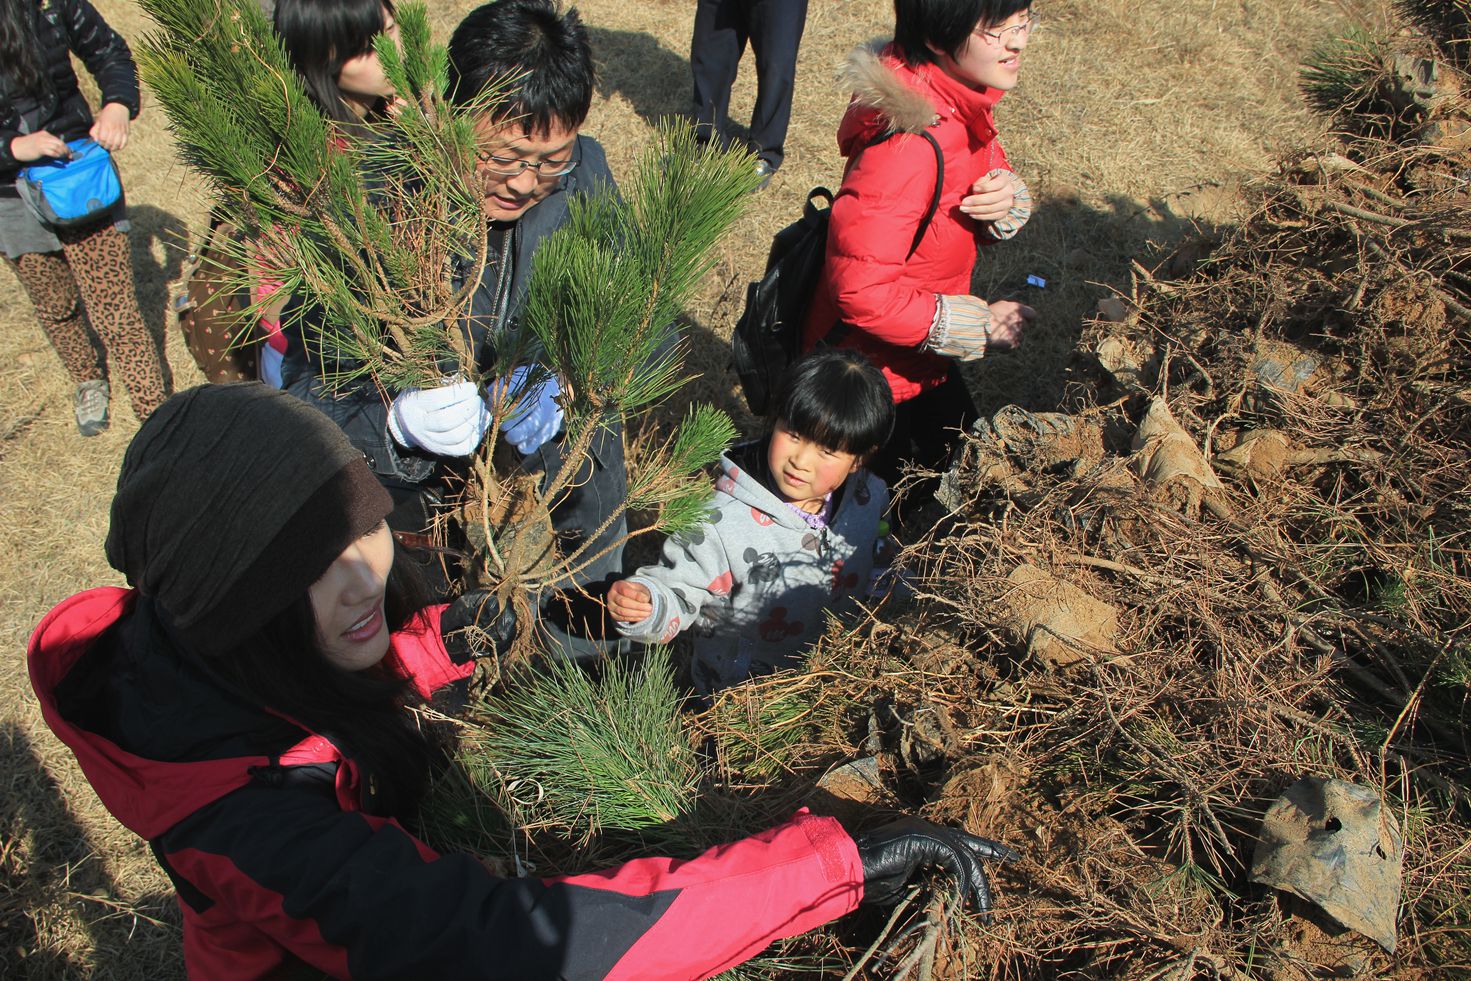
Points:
(1135, 784)
(1142, 777)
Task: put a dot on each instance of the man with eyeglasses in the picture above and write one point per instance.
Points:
(531, 161)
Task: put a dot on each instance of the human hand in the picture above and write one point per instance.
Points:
(477, 625)
(110, 129)
(39, 145)
(991, 197)
(892, 854)
(446, 421)
(1008, 319)
(628, 602)
(539, 416)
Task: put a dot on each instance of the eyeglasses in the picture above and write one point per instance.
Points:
(1009, 34)
(515, 166)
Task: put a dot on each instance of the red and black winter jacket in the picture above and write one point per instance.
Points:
(259, 826)
(869, 280)
(64, 26)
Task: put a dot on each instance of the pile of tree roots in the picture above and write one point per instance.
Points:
(1237, 558)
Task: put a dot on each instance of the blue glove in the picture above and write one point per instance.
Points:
(446, 421)
(538, 418)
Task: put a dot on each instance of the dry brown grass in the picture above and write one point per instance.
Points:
(1126, 109)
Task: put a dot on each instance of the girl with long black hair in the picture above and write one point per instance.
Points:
(73, 275)
(331, 44)
(247, 708)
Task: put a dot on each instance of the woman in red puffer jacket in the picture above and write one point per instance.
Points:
(911, 312)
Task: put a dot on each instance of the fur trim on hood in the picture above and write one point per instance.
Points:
(875, 86)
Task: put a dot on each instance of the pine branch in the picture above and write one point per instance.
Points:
(606, 289)
(375, 221)
(381, 234)
(605, 754)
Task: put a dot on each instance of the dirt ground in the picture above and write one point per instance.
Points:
(1134, 123)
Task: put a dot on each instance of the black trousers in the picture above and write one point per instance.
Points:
(722, 28)
(927, 428)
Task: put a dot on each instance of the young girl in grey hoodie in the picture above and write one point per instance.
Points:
(793, 531)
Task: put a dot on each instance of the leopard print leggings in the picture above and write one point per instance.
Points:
(92, 279)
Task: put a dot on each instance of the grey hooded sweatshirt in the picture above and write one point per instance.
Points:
(754, 580)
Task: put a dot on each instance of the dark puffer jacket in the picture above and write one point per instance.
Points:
(63, 26)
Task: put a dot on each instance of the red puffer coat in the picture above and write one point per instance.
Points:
(869, 281)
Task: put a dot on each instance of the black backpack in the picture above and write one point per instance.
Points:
(768, 337)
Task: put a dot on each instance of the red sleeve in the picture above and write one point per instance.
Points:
(883, 199)
(419, 647)
(738, 898)
(265, 870)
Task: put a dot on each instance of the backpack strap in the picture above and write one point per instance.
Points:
(840, 330)
(933, 209)
(929, 215)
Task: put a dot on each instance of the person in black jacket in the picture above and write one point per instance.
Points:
(533, 161)
(81, 274)
(248, 709)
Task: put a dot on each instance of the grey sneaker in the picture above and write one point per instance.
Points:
(91, 406)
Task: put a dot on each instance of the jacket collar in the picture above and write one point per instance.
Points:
(890, 96)
(147, 795)
(971, 106)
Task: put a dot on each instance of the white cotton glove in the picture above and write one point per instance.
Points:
(446, 421)
(538, 418)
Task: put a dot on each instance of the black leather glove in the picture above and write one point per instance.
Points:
(892, 854)
(476, 625)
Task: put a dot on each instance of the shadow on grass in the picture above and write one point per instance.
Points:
(655, 80)
(157, 233)
(52, 882)
(1084, 253)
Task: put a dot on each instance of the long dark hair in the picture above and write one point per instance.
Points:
(366, 713)
(321, 35)
(20, 43)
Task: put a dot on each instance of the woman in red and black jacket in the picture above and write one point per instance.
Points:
(73, 276)
(246, 709)
(912, 312)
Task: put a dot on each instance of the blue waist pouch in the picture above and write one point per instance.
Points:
(69, 193)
